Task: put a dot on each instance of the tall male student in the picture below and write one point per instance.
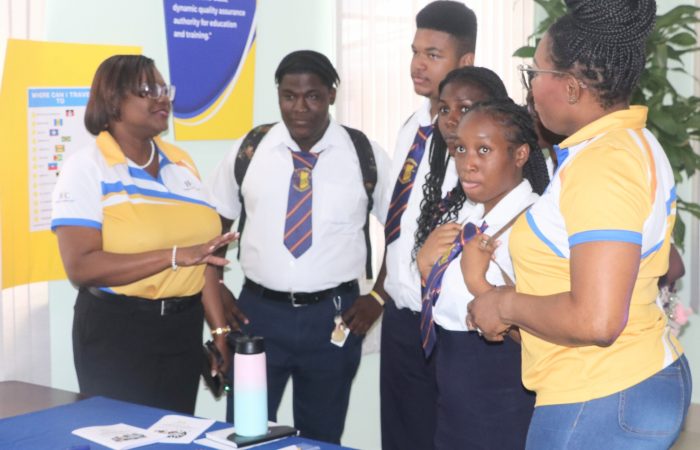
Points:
(445, 40)
(302, 248)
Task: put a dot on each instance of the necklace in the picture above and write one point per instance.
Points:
(150, 160)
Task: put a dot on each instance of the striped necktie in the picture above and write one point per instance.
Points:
(297, 226)
(404, 184)
(433, 285)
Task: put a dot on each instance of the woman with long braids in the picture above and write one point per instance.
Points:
(588, 255)
(481, 402)
(459, 90)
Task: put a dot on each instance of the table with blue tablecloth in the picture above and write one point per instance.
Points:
(51, 428)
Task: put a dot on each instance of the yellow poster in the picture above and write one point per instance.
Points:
(44, 89)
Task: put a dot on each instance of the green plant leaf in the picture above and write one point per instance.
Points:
(685, 39)
(679, 233)
(524, 52)
(675, 16)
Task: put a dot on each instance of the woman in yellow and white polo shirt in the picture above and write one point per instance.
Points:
(589, 253)
(137, 237)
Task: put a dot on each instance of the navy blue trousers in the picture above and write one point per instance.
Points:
(297, 345)
(407, 383)
(481, 402)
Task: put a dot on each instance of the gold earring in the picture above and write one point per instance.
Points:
(573, 100)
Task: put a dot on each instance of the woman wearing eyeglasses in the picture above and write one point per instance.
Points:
(137, 238)
(589, 253)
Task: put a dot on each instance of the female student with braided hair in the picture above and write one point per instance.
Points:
(458, 91)
(481, 402)
(589, 253)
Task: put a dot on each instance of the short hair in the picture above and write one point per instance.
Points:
(453, 18)
(116, 77)
(308, 61)
(486, 79)
(603, 42)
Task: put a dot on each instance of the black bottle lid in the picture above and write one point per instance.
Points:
(250, 345)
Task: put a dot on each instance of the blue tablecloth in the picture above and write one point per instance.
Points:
(51, 428)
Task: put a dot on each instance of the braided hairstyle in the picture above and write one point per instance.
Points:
(603, 43)
(519, 129)
(434, 210)
(308, 61)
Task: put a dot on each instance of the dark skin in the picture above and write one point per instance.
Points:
(603, 274)
(435, 54)
(488, 170)
(81, 248)
(304, 102)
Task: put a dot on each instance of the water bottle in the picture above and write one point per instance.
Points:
(250, 386)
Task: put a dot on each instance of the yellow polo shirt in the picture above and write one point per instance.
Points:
(99, 188)
(613, 183)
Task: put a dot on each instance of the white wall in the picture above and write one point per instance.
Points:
(283, 26)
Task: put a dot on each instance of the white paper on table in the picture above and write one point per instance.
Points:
(119, 436)
(222, 446)
(176, 429)
(219, 437)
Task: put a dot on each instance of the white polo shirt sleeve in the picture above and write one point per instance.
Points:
(77, 196)
(222, 189)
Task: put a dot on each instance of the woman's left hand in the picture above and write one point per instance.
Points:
(483, 313)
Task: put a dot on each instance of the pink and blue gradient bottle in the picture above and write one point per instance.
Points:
(250, 386)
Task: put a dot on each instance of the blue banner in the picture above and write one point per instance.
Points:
(209, 46)
(59, 97)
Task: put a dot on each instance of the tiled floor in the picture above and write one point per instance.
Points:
(690, 437)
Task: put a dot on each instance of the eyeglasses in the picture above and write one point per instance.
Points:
(527, 73)
(158, 91)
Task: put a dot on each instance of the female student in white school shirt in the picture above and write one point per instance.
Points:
(481, 401)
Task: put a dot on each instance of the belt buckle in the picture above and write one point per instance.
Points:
(293, 299)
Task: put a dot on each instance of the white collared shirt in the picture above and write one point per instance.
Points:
(402, 281)
(338, 251)
(450, 310)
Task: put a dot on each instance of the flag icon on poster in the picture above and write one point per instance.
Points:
(60, 148)
(53, 166)
(65, 138)
(53, 132)
(57, 122)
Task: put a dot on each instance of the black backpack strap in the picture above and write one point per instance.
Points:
(245, 154)
(368, 166)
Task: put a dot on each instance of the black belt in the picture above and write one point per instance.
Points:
(298, 298)
(165, 306)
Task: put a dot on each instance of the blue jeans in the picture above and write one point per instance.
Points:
(648, 415)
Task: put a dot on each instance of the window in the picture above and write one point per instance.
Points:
(374, 55)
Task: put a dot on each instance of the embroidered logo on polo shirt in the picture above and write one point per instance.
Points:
(64, 197)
